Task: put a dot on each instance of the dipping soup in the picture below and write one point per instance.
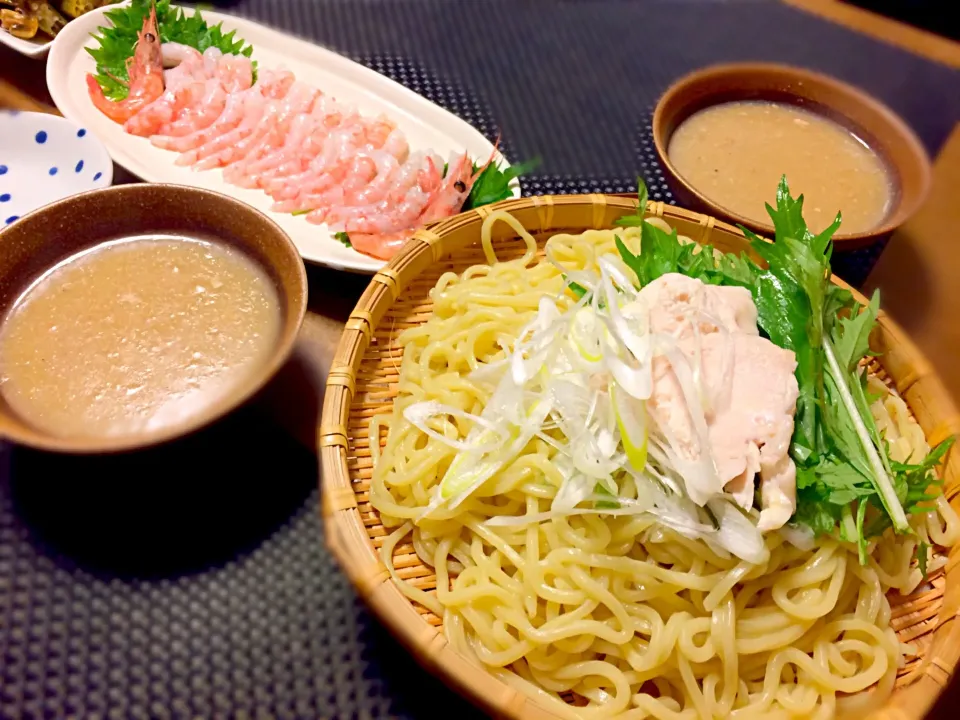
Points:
(136, 335)
(735, 154)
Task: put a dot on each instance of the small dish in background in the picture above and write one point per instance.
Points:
(39, 22)
(872, 123)
(44, 158)
(33, 48)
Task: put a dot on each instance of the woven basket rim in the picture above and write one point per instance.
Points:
(346, 533)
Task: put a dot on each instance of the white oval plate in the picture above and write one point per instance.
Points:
(426, 126)
(44, 158)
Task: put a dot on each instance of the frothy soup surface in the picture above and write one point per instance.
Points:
(736, 152)
(136, 335)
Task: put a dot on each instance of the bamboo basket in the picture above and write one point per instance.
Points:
(363, 380)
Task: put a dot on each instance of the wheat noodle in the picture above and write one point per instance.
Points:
(615, 616)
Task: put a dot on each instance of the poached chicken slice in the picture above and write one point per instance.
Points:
(746, 385)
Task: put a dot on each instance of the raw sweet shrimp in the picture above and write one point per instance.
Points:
(383, 236)
(327, 169)
(383, 133)
(349, 140)
(356, 175)
(315, 194)
(176, 54)
(396, 144)
(262, 143)
(387, 169)
(201, 114)
(360, 173)
(256, 129)
(232, 115)
(275, 173)
(260, 116)
(384, 217)
(401, 209)
(456, 187)
(145, 70)
(377, 131)
(211, 61)
(270, 133)
(235, 72)
(383, 227)
(375, 207)
(330, 186)
(339, 148)
(323, 203)
(223, 74)
(288, 147)
(163, 111)
(380, 246)
(184, 139)
(250, 114)
(192, 99)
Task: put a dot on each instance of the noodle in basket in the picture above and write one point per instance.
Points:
(618, 614)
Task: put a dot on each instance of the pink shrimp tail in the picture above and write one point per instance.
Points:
(145, 70)
(116, 111)
(381, 246)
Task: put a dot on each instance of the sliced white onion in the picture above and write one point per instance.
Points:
(419, 413)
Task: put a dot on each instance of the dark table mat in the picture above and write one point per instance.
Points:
(193, 581)
(574, 82)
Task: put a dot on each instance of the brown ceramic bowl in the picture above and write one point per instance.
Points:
(58, 231)
(870, 120)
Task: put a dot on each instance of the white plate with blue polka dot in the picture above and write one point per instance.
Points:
(44, 158)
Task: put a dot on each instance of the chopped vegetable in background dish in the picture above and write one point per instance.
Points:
(27, 19)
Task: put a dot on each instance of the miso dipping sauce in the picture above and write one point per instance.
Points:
(136, 335)
(735, 154)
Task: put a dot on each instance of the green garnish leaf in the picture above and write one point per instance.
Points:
(344, 238)
(821, 516)
(662, 252)
(493, 184)
(800, 309)
(853, 334)
(297, 213)
(921, 478)
(916, 474)
(118, 41)
(636, 220)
